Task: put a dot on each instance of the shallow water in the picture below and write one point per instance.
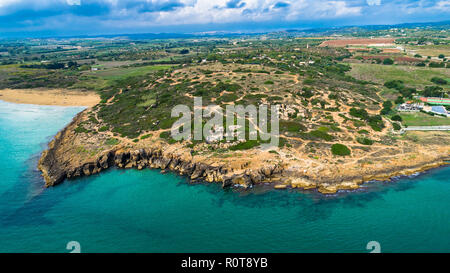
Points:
(145, 211)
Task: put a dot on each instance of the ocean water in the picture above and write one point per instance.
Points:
(146, 211)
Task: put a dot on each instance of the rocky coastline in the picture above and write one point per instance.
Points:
(56, 166)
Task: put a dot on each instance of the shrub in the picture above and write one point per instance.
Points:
(396, 126)
(399, 100)
(436, 65)
(397, 118)
(245, 145)
(388, 61)
(439, 81)
(359, 113)
(339, 149)
(394, 84)
(364, 141)
(291, 126)
(321, 135)
(103, 128)
(112, 141)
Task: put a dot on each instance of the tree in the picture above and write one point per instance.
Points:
(399, 100)
(439, 81)
(397, 118)
(441, 56)
(388, 61)
(432, 91)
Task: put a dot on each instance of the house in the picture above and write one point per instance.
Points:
(410, 107)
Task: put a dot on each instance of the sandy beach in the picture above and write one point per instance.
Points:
(60, 97)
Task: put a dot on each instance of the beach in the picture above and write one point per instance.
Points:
(61, 97)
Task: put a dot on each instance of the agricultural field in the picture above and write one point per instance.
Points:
(411, 75)
(422, 119)
(429, 50)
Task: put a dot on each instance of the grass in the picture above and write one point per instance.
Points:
(430, 50)
(422, 119)
(122, 73)
(411, 75)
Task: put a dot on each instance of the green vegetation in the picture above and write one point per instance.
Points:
(364, 141)
(422, 119)
(340, 150)
(112, 141)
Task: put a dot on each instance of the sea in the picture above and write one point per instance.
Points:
(148, 211)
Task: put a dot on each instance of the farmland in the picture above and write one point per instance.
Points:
(411, 75)
(422, 119)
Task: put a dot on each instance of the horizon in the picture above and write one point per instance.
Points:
(60, 18)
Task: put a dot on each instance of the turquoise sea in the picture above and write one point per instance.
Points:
(146, 211)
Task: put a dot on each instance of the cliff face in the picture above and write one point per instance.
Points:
(55, 170)
(61, 162)
(71, 155)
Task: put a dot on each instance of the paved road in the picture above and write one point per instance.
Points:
(427, 128)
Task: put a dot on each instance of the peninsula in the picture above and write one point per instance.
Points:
(341, 107)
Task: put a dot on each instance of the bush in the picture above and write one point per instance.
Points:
(394, 84)
(364, 141)
(397, 118)
(339, 149)
(439, 81)
(399, 100)
(321, 135)
(388, 61)
(396, 126)
(245, 145)
(436, 65)
(103, 129)
(359, 113)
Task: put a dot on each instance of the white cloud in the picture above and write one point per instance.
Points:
(73, 2)
(373, 2)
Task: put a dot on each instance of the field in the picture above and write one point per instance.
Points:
(430, 50)
(345, 42)
(422, 119)
(121, 73)
(411, 75)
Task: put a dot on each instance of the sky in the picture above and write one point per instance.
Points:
(92, 17)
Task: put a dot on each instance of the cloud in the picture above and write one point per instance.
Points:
(73, 2)
(87, 16)
(373, 2)
(235, 4)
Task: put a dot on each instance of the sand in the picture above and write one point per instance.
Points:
(59, 97)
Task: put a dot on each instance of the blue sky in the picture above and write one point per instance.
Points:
(75, 17)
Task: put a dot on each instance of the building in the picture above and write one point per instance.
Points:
(410, 107)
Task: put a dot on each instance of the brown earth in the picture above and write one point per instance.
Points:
(346, 42)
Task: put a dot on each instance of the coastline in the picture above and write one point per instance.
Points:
(53, 97)
(148, 155)
(60, 162)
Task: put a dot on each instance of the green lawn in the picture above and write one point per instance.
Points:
(422, 119)
(410, 75)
